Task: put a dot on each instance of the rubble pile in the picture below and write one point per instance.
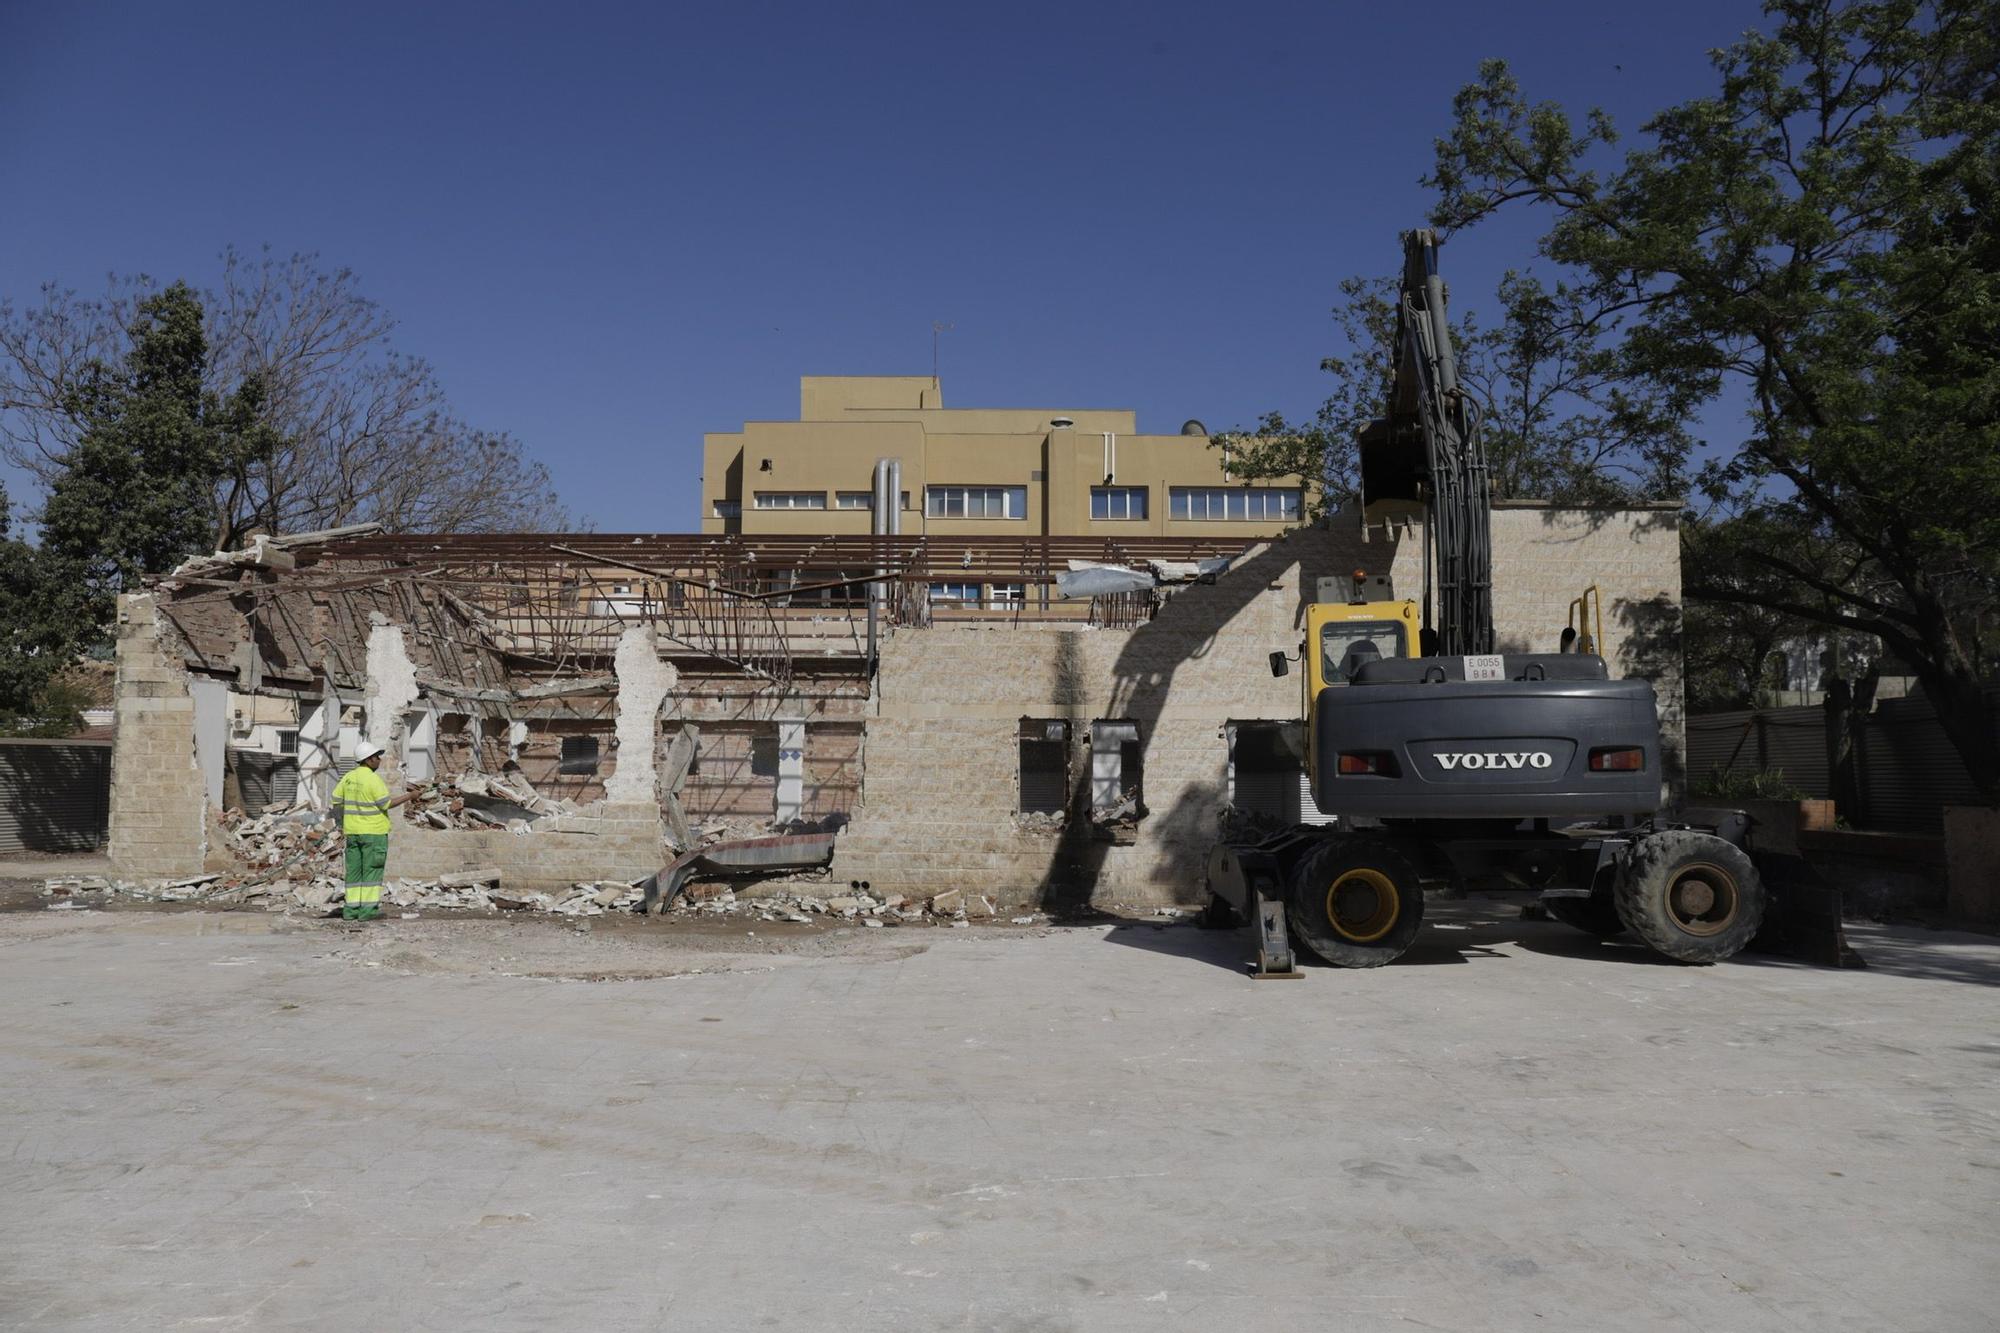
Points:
(476, 800)
(279, 840)
(776, 903)
(483, 891)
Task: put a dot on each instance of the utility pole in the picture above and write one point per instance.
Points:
(937, 333)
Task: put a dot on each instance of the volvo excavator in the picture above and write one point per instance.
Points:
(1442, 762)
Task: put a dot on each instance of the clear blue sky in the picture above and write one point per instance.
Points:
(614, 228)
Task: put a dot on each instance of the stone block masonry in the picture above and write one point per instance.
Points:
(941, 791)
(159, 800)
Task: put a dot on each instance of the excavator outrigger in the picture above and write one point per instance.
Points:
(1442, 761)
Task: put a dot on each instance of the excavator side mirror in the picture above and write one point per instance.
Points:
(1280, 664)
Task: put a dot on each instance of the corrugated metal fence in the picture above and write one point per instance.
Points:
(1909, 769)
(55, 796)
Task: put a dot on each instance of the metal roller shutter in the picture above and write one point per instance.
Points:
(55, 796)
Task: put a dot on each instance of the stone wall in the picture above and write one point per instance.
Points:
(620, 842)
(158, 796)
(942, 756)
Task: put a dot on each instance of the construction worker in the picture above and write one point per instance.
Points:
(361, 799)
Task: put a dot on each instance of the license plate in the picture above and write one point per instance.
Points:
(1487, 667)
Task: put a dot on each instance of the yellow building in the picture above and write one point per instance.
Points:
(995, 472)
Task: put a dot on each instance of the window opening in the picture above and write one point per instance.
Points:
(976, 501)
(764, 755)
(791, 499)
(1254, 504)
(955, 594)
(1117, 778)
(1044, 744)
(579, 756)
(1117, 502)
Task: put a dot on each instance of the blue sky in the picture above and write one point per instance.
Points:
(613, 228)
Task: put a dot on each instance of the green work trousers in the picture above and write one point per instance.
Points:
(367, 858)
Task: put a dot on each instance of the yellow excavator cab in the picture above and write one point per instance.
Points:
(1342, 635)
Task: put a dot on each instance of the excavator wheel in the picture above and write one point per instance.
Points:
(1691, 896)
(1355, 902)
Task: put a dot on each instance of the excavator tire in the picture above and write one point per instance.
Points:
(1596, 915)
(1355, 902)
(1691, 896)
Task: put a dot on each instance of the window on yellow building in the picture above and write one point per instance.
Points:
(1117, 501)
(976, 501)
(1241, 504)
(955, 594)
(861, 500)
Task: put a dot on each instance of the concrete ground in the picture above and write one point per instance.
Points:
(234, 1121)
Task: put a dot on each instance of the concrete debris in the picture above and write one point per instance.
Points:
(769, 902)
(480, 800)
(318, 891)
(1125, 810)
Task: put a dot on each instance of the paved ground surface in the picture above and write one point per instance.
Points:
(230, 1121)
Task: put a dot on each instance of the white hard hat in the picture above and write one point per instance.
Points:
(369, 749)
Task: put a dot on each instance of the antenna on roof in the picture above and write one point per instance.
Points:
(937, 332)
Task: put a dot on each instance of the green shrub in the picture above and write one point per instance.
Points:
(1731, 784)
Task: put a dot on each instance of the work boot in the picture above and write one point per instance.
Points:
(349, 912)
(368, 912)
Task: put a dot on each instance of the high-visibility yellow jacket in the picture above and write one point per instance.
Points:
(361, 799)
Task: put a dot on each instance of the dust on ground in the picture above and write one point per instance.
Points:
(619, 946)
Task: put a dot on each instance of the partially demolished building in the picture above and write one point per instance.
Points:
(591, 704)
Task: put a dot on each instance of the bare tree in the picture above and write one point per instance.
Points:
(365, 431)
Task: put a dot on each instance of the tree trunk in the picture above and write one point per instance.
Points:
(1847, 710)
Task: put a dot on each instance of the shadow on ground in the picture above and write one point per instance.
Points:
(1470, 932)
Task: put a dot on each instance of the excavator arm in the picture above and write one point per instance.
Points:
(1428, 449)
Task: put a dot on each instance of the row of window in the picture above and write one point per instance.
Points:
(995, 597)
(1251, 504)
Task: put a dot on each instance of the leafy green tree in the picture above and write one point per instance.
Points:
(361, 431)
(27, 659)
(1559, 420)
(136, 494)
(1820, 234)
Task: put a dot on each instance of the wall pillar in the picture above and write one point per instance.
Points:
(644, 682)
(159, 794)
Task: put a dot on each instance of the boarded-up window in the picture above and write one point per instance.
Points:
(833, 769)
(736, 775)
(1044, 766)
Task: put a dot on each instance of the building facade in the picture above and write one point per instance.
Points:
(992, 472)
(991, 754)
